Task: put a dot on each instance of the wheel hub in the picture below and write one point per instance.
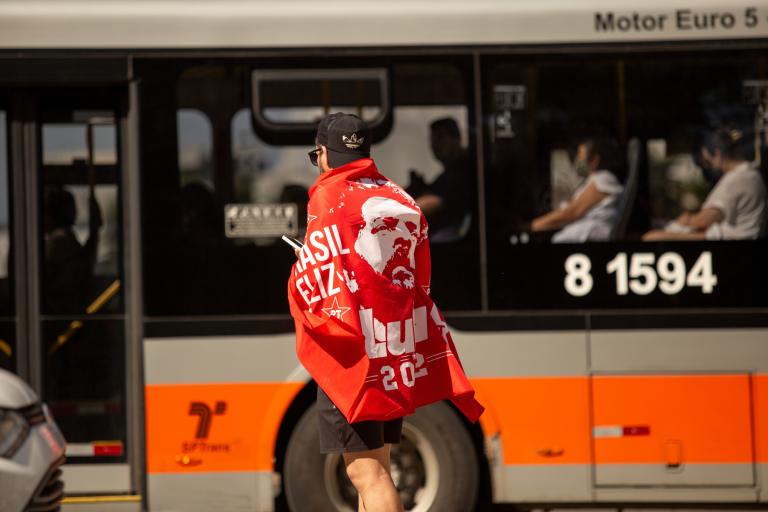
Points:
(413, 467)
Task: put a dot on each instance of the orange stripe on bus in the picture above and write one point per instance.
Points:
(692, 418)
(214, 427)
(760, 408)
(640, 418)
(542, 420)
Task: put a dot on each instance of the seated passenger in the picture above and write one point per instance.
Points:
(446, 202)
(735, 208)
(592, 211)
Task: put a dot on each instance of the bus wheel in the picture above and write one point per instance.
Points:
(434, 467)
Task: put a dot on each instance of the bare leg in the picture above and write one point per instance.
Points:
(369, 473)
(388, 449)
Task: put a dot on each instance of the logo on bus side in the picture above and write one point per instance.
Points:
(201, 444)
(206, 415)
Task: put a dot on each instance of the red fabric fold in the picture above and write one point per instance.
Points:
(366, 328)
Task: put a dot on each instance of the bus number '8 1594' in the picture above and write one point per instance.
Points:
(641, 273)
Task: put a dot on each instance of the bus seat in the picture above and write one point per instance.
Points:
(627, 200)
(452, 234)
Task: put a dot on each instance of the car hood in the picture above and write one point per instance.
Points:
(14, 392)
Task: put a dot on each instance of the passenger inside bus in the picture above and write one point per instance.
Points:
(446, 202)
(735, 208)
(68, 265)
(592, 211)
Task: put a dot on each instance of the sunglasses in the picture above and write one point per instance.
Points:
(313, 156)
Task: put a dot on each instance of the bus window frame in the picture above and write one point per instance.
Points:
(298, 133)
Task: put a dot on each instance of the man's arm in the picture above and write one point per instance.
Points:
(429, 203)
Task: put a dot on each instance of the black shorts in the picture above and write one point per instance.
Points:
(338, 435)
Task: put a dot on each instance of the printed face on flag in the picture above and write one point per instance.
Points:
(388, 239)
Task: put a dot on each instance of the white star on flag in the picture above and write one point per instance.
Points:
(336, 310)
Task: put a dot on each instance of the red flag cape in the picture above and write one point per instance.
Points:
(366, 328)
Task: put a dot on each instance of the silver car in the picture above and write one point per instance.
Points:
(31, 450)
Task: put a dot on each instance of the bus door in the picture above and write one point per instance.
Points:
(62, 159)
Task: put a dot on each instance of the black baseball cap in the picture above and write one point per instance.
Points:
(347, 137)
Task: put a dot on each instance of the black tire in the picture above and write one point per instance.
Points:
(441, 441)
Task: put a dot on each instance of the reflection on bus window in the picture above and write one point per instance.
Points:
(66, 144)
(195, 154)
(264, 172)
(676, 182)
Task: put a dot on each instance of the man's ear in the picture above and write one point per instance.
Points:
(323, 157)
(595, 161)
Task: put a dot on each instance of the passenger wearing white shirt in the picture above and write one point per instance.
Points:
(735, 208)
(593, 209)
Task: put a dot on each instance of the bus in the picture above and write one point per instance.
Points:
(152, 153)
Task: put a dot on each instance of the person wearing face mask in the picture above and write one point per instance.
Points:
(593, 208)
(735, 208)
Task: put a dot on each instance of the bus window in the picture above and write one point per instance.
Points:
(290, 97)
(266, 173)
(80, 217)
(548, 121)
(430, 152)
(66, 144)
(701, 130)
(197, 269)
(195, 137)
(81, 290)
(612, 183)
(7, 328)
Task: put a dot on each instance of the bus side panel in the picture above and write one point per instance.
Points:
(534, 386)
(543, 427)
(706, 352)
(663, 430)
(213, 411)
(214, 427)
(213, 444)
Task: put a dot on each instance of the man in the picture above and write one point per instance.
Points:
(359, 294)
(446, 201)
